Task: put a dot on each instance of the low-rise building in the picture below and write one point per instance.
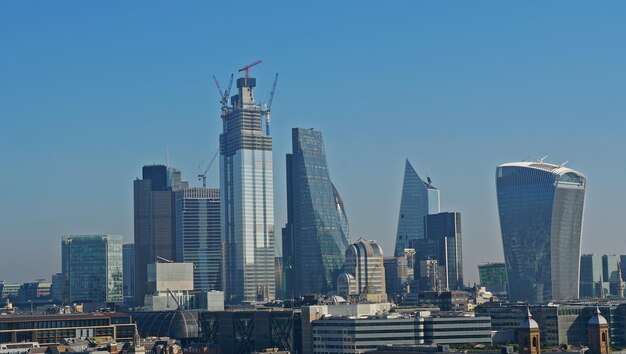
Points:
(51, 329)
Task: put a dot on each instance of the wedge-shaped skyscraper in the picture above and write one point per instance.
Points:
(418, 199)
(541, 216)
(316, 235)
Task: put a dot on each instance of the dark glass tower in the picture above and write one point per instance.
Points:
(198, 238)
(444, 229)
(155, 223)
(418, 199)
(247, 194)
(541, 215)
(316, 235)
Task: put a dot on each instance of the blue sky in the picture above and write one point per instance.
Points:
(91, 91)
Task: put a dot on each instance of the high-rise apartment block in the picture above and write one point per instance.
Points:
(316, 235)
(364, 272)
(92, 268)
(247, 194)
(128, 263)
(155, 221)
(541, 214)
(198, 238)
(418, 199)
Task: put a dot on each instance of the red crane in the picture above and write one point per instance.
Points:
(247, 67)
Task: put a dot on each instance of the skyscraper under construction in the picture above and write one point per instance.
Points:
(246, 189)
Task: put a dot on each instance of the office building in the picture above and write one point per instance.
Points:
(92, 268)
(128, 264)
(198, 238)
(493, 277)
(611, 274)
(418, 199)
(400, 272)
(51, 329)
(359, 328)
(169, 287)
(363, 275)
(316, 235)
(155, 221)
(246, 190)
(591, 276)
(541, 213)
(443, 235)
(56, 287)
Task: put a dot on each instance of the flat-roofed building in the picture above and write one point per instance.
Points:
(51, 329)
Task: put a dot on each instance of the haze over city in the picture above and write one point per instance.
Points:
(92, 92)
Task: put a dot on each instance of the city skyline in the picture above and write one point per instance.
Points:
(527, 89)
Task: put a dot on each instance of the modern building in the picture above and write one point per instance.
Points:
(611, 274)
(400, 272)
(51, 329)
(591, 276)
(316, 235)
(92, 268)
(443, 231)
(57, 287)
(128, 264)
(541, 213)
(155, 221)
(418, 199)
(198, 236)
(246, 190)
(347, 329)
(246, 330)
(493, 277)
(9, 290)
(170, 287)
(363, 275)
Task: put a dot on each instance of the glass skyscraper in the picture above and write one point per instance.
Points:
(92, 268)
(316, 235)
(541, 213)
(198, 238)
(246, 190)
(591, 276)
(418, 199)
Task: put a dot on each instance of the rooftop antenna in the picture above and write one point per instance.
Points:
(543, 158)
(167, 156)
(563, 164)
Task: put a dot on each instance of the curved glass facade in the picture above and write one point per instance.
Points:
(316, 235)
(541, 209)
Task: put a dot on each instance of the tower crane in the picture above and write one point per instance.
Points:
(224, 93)
(202, 176)
(268, 106)
(247, 67)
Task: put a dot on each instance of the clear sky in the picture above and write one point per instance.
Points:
(91, 91)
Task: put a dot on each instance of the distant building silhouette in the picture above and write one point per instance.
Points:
(541, 213)
(128, 262)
